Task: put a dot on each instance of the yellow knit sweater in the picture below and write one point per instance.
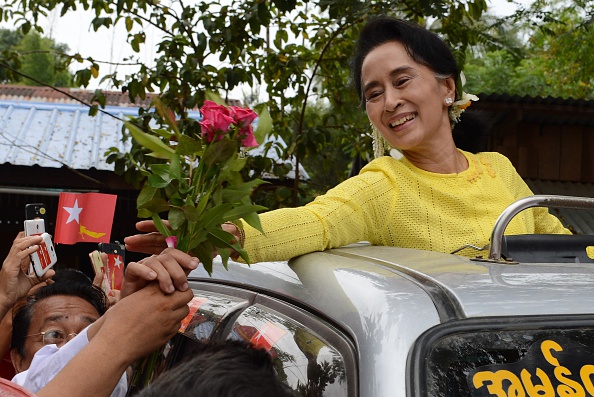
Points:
(392, 202)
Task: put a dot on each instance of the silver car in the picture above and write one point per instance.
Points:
(367, 320)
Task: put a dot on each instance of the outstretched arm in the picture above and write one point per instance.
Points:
(131, 329)
(151, 242)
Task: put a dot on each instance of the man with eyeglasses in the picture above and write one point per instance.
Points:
(52, 316)
(65, 342)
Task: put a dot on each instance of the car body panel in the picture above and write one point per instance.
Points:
(384, 298)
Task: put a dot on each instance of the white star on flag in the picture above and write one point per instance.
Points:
(117, 262)
(73, 212)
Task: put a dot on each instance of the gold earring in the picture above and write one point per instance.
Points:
(379, 143)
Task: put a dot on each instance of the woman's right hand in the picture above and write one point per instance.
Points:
(151, 242)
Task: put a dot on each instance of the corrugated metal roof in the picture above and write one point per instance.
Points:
(56, 135)
(46, 94)
(580, 221)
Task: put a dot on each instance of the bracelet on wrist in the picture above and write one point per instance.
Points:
(240, 232)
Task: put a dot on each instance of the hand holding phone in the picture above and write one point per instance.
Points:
(45, 257)
(100, 270)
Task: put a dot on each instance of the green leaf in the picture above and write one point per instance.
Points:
(147, 193)
(214, 216)
(225, 254)
(176, 218)
(253, 220)
(219, 152)
(161, 226)
(157, 181)
(167, 114)
(264, 123)
(243, 210)
(213, 96)
(188, 146)
(191, 213)
(150, 142)
(223, 239)
(204, 253)
(155, 205)
(164, 133)
(236, 193)
(175, 167)
(144, 213)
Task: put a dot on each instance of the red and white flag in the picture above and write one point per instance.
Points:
(84, 217)
(115, 271)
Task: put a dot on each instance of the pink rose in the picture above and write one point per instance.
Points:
(216, 121)
(243, 116)
(247, 137)
(171, 241)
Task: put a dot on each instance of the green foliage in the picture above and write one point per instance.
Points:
(35, 56)
(297, 50)
(557, 60)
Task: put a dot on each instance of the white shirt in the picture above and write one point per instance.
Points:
(49, 360)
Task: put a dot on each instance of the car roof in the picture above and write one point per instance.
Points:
(459, 287)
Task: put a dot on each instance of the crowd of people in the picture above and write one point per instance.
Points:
(67, 338)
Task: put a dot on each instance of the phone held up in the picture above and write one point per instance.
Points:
(115, 263)
(34, 219)
(99, 268)
(35, 211)
(45, 257)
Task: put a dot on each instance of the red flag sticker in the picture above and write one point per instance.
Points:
(267, 336)
(86, 217)
(115, 271)
(194, 305)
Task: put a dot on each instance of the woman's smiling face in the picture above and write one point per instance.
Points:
(404, 99)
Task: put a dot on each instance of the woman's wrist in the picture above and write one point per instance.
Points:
(237, 232)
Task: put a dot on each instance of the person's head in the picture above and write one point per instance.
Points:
(53, 315)
(225, 369)
(406, 77)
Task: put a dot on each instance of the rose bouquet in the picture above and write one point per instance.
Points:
(198, 184)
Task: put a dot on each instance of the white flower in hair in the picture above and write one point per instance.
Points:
(461, 104)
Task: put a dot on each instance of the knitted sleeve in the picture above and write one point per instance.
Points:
(342, 216)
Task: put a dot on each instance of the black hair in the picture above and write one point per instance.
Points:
(223, 369)
(422, 45)
(23, 315)
(69, 275)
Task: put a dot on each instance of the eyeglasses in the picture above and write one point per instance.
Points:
(54, 337)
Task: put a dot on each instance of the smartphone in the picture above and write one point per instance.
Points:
(34, 222)
(99, 268)
(34, 227)
(45, 257)
(35, 211)
(116, 254)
